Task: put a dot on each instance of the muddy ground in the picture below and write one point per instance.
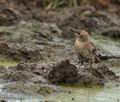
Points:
(35, 38)
(32, 78)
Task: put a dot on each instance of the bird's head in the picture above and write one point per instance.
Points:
(82, 35)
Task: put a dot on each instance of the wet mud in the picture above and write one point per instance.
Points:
(31, 78)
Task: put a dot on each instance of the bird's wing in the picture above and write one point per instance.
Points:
(92, 51)
(90, 46)
(97, 59)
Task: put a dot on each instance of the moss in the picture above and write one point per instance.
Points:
(7, 62)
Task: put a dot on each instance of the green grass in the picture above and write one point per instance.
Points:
(53, 4)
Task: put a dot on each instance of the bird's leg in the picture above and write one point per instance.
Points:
(90, 62)
(80, 60)
(80, 63)
(84, 62)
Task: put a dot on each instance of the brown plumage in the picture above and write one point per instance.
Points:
(84, 48)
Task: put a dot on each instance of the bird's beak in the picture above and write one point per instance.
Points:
(77, 34)
(76, 31)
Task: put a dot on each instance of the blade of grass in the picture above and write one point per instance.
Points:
(49, 6)
(75, 3)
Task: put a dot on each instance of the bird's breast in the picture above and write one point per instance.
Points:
(79, 46)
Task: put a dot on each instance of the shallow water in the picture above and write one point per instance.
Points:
(94, 94)
(110, 93)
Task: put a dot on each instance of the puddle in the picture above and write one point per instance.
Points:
(95, 94)
(78, 94)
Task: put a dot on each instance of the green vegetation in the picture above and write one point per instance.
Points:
(7, 62)
(53, 4)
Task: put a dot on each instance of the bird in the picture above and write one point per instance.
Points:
(85, 48)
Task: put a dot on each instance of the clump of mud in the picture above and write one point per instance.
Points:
(96, 75)
(63, 72)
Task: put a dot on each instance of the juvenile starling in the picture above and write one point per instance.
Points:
(84, 48)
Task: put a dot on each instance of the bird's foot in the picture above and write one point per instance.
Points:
(80, 65)
(90, 64)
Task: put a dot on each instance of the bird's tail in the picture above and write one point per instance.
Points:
(97, 59)
(105, 57)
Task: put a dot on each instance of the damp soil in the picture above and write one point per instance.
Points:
(22, 91)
